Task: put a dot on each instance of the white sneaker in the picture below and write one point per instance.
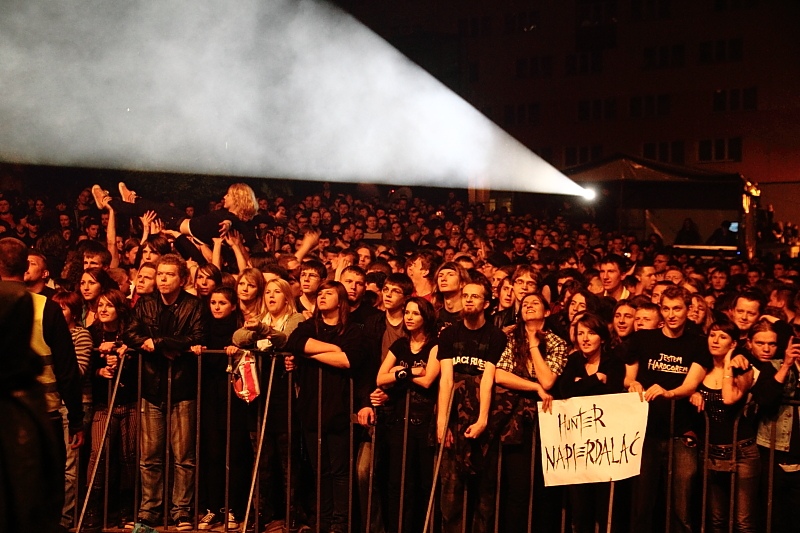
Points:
(233, 525)
(209, 521)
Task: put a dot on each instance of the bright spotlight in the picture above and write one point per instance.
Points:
(589, 194)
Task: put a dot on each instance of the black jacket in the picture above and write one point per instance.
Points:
(174, 329)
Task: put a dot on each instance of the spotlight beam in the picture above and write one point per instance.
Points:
(297, 89)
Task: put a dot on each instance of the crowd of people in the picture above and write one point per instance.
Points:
(436, 329)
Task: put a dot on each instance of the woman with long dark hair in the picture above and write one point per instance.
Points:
(723, 396)
(225, 319)
(327, 351)
(591, 370)
(93, 282)
(411, 369)
(113, 317)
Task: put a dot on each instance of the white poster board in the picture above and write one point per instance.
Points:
(592, 439)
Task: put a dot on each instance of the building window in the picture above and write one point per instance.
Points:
(667, 56)
(520, 114)
(721, 51)
(597, 109)
(534, 67)
(735, 99)
(650, 105)
(578, 155)
(583, 64)
(725, 5)
(664, 151)
(730, 149)
(651, 9)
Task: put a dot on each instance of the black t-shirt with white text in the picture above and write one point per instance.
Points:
(471, 349)
(666, 361)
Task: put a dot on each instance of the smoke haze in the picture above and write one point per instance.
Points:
(273, 88)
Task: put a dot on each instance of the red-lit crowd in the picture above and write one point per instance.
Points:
(434, 329)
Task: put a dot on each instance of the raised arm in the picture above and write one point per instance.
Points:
(111, 237)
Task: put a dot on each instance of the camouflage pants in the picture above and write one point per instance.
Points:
(480, 490)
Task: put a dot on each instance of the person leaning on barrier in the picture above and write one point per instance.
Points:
(528, 369)
(225, 317)
(163, 327)
(666, 364)
(327, 350)
(113, 316)
(468, 353)
(723, 395)
(409, 374)
(591, 370)
(271, 333)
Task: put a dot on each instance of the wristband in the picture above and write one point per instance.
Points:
(402, 375)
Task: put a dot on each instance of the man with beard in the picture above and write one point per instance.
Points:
(468, 352)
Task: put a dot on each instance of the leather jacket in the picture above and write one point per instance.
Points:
(173, 328)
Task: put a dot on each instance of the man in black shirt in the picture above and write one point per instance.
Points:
(667, 364)
(468, 352)
(354, 281)
(450, 279)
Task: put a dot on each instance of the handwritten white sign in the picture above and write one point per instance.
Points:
(592, 439)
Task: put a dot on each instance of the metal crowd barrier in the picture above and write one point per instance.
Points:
(292, 506)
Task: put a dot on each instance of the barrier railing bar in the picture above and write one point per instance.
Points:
(373, 439)
(773, 438)
(706, 463)
(610, 522)
(100, 448)
(259, 449)
(438, 465)
(403, 462)
(288, 520)
(106, 450)
(533, 473)
(197, 444)
(137, 484)
(670, 459)
(351, 404)
(229, 399)
(319, 449)
(167, 443)
(499, 481)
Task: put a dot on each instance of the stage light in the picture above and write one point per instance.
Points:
(589, 194)
(283, 88)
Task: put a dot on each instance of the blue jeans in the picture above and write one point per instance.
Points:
(183, 420)
(748, 475)
(655, 454)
